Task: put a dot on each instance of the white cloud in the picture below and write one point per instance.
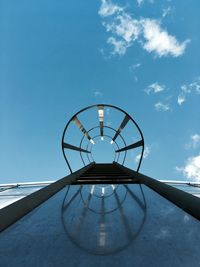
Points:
(145, 154)
(108, 111)
(125, 30)
(136, 65)
(140, 2)
(159, 41)
(133, 67)
(181, 99)
(155, 88)
(195, 86)
(187, 89)
(124, 27)
(192, 87)
(194, 141)
(191, 170)
(98, 94)
(166, 11)
(119, 46)
(161, 107)
(107, 8)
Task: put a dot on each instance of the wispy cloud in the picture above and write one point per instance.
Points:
(194, 141)
(108, 8)
(135, 66)
(162, 107)
(166, 11)
(191, 170)
(140, 2)
(98, 94)
(108, 111)
(186, 89)
(181, 98)
(119, 47)
(145, 154)
(155, 88)
(125, 30)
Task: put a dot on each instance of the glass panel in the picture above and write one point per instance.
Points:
(12, 193)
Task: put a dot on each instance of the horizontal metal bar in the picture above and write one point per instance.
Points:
(68, 146)
(27, 184)
(102, 178)
(87, 182)
(13, 212)
(137, 144)
(187, 202)
(2, 189)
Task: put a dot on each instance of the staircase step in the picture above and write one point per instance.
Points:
(105, 173)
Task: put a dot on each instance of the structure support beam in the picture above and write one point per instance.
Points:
(82, 129)
(68, 146)
(121, 127)
(185, 201)
(101, 119)
(137, 144)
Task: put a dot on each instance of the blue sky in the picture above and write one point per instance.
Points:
(57, 57)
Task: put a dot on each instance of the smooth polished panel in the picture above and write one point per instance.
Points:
(168, 236)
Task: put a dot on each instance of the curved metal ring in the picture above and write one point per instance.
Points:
(104, 105)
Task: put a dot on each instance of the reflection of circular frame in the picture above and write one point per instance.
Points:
(108, 211)
(116, 156)
(104, 190)
(115, 248)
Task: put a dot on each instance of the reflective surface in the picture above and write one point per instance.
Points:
(168, 236)
(108, 217)
(13, 192)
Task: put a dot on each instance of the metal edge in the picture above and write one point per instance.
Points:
(187, 202)
(13, 212)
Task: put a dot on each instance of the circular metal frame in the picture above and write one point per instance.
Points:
(102, 105)
(108, 127)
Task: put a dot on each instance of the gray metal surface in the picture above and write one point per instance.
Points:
(61, 232)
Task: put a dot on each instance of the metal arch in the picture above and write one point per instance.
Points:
(111, 138)
(113, 148)
(114, 141)
(105, 105)
(105, 136)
